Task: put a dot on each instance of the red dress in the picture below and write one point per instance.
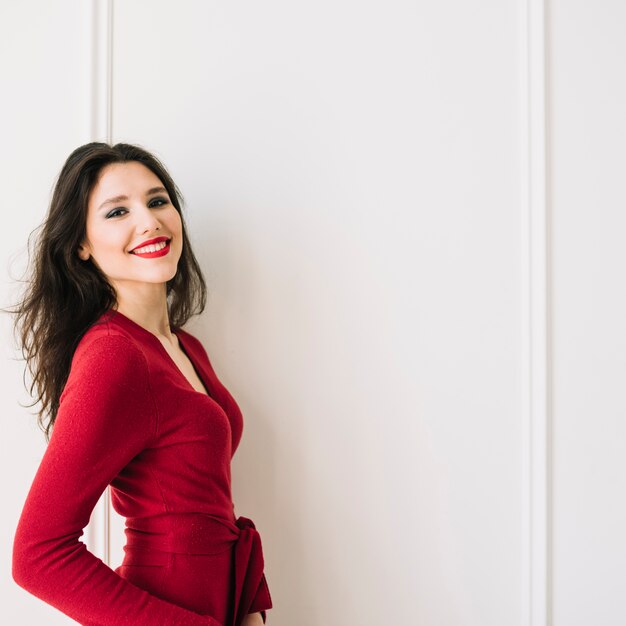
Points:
(128, 417)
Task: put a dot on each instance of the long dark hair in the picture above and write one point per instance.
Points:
(65, 295)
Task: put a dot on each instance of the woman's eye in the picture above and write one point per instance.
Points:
(112, 213)
(159, 202)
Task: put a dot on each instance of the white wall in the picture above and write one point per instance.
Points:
(364, 188)
(588, 128)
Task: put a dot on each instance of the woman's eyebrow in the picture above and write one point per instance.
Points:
(120, 198)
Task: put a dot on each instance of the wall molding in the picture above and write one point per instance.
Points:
(536, 445)
(98, 532)
(102, 67)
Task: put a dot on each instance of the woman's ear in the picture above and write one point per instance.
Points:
(83, 253)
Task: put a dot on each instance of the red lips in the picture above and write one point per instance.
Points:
(150, 241)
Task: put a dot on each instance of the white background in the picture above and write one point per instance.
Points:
(364, 186)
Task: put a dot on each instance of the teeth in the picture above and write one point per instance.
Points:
(151, 248)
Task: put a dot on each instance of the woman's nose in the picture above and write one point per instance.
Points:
(146, 220)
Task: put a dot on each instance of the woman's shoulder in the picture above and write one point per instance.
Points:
(105, 336)
(106, 357)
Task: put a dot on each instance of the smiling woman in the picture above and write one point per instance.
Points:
(132, 401)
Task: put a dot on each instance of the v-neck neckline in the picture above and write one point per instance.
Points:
(183, 347)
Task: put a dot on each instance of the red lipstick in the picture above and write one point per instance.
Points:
(150, 241)
(156, 253)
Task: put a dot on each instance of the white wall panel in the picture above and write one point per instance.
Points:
(352, 176)
(588, 134)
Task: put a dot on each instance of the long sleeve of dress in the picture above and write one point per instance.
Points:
(107, 416)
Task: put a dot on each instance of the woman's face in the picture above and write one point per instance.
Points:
(128, 206)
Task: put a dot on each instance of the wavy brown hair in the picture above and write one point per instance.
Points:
(65, 295)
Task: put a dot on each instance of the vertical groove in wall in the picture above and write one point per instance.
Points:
(548, 316)
(109, 92)
(536, 554)
(102, 130)
(102, 65)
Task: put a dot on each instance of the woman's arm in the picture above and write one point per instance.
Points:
(106, 417)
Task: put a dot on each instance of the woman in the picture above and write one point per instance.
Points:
(132, 401)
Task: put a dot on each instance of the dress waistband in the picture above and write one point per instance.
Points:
(200, 533)
(185, 533)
